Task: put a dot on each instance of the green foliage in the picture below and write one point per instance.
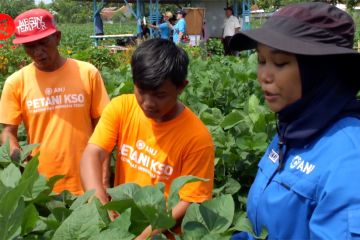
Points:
(15, 7)
(224, 92)
(214, 46)
(28, 209)
(72, 11)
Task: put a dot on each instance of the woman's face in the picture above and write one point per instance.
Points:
(179, 16)
(279, 77)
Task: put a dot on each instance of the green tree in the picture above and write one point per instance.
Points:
(15, 7)
(72, 11)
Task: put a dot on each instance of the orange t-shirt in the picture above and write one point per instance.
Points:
(150, 152)
(57, 108)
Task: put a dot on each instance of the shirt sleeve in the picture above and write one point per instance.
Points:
(337, 214)
(10, 104)
(100, 97)
(236, 22)
(106, 131)
(182, 26)
(200, 164)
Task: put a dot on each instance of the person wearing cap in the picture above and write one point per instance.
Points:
(179, 29)
(58, 99)
(165, 26)
(308, 182)
(230, 27)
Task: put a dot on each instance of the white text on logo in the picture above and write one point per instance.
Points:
(299, 164)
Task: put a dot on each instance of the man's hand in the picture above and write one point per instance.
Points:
(10, 133)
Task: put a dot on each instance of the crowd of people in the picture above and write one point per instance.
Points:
(308, 182)
(174, 28)
(169, 28)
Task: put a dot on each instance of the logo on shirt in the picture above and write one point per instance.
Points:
(48, 91)
(55, 98)
(299, 164)
(273, 156)
(140, 144)
(143, 158)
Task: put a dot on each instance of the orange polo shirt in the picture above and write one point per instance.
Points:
(150, 152)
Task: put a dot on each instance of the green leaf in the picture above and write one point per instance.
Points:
(60, 213)
(253, 104)
(122, 222)
(31, 216)
(215, 216)
(82, 199)
(118, 229)
(122, 197)
(103, 213)
(124, 191)
(43, 193)
(30, 173)
(243, 224)
(218, 213)
(5, 158)
(151, 203)
(177, 184)
(11, 213)
(83, 223)
(231, 120)
(119, 205)
(26, 150)
(193, 224)
(10, 176)
(113, 234)
(230, 187)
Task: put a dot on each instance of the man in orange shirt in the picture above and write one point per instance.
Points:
(58, 99)
(158, 138)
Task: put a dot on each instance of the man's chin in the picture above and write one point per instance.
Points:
(152, 115)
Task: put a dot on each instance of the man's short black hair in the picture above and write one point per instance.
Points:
(157, 60)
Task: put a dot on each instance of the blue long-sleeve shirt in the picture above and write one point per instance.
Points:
(316, 195)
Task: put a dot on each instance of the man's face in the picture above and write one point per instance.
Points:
(228, 13)
(160, 105)
(44, 52)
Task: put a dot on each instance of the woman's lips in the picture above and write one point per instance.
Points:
(270, 97)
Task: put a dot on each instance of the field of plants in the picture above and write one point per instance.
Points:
(223, 91)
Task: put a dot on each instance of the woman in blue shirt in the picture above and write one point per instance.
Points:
(308, 182)
(180, 27)
(165, 26)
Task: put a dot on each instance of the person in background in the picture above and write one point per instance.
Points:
(164, 27)
(308, 182)
(230, 27)
(58, 99)
(153, 124)
(179, 29)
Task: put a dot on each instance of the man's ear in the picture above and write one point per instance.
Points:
(181, 88)
(57, 37)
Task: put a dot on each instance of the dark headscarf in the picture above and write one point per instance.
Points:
(329, 88)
